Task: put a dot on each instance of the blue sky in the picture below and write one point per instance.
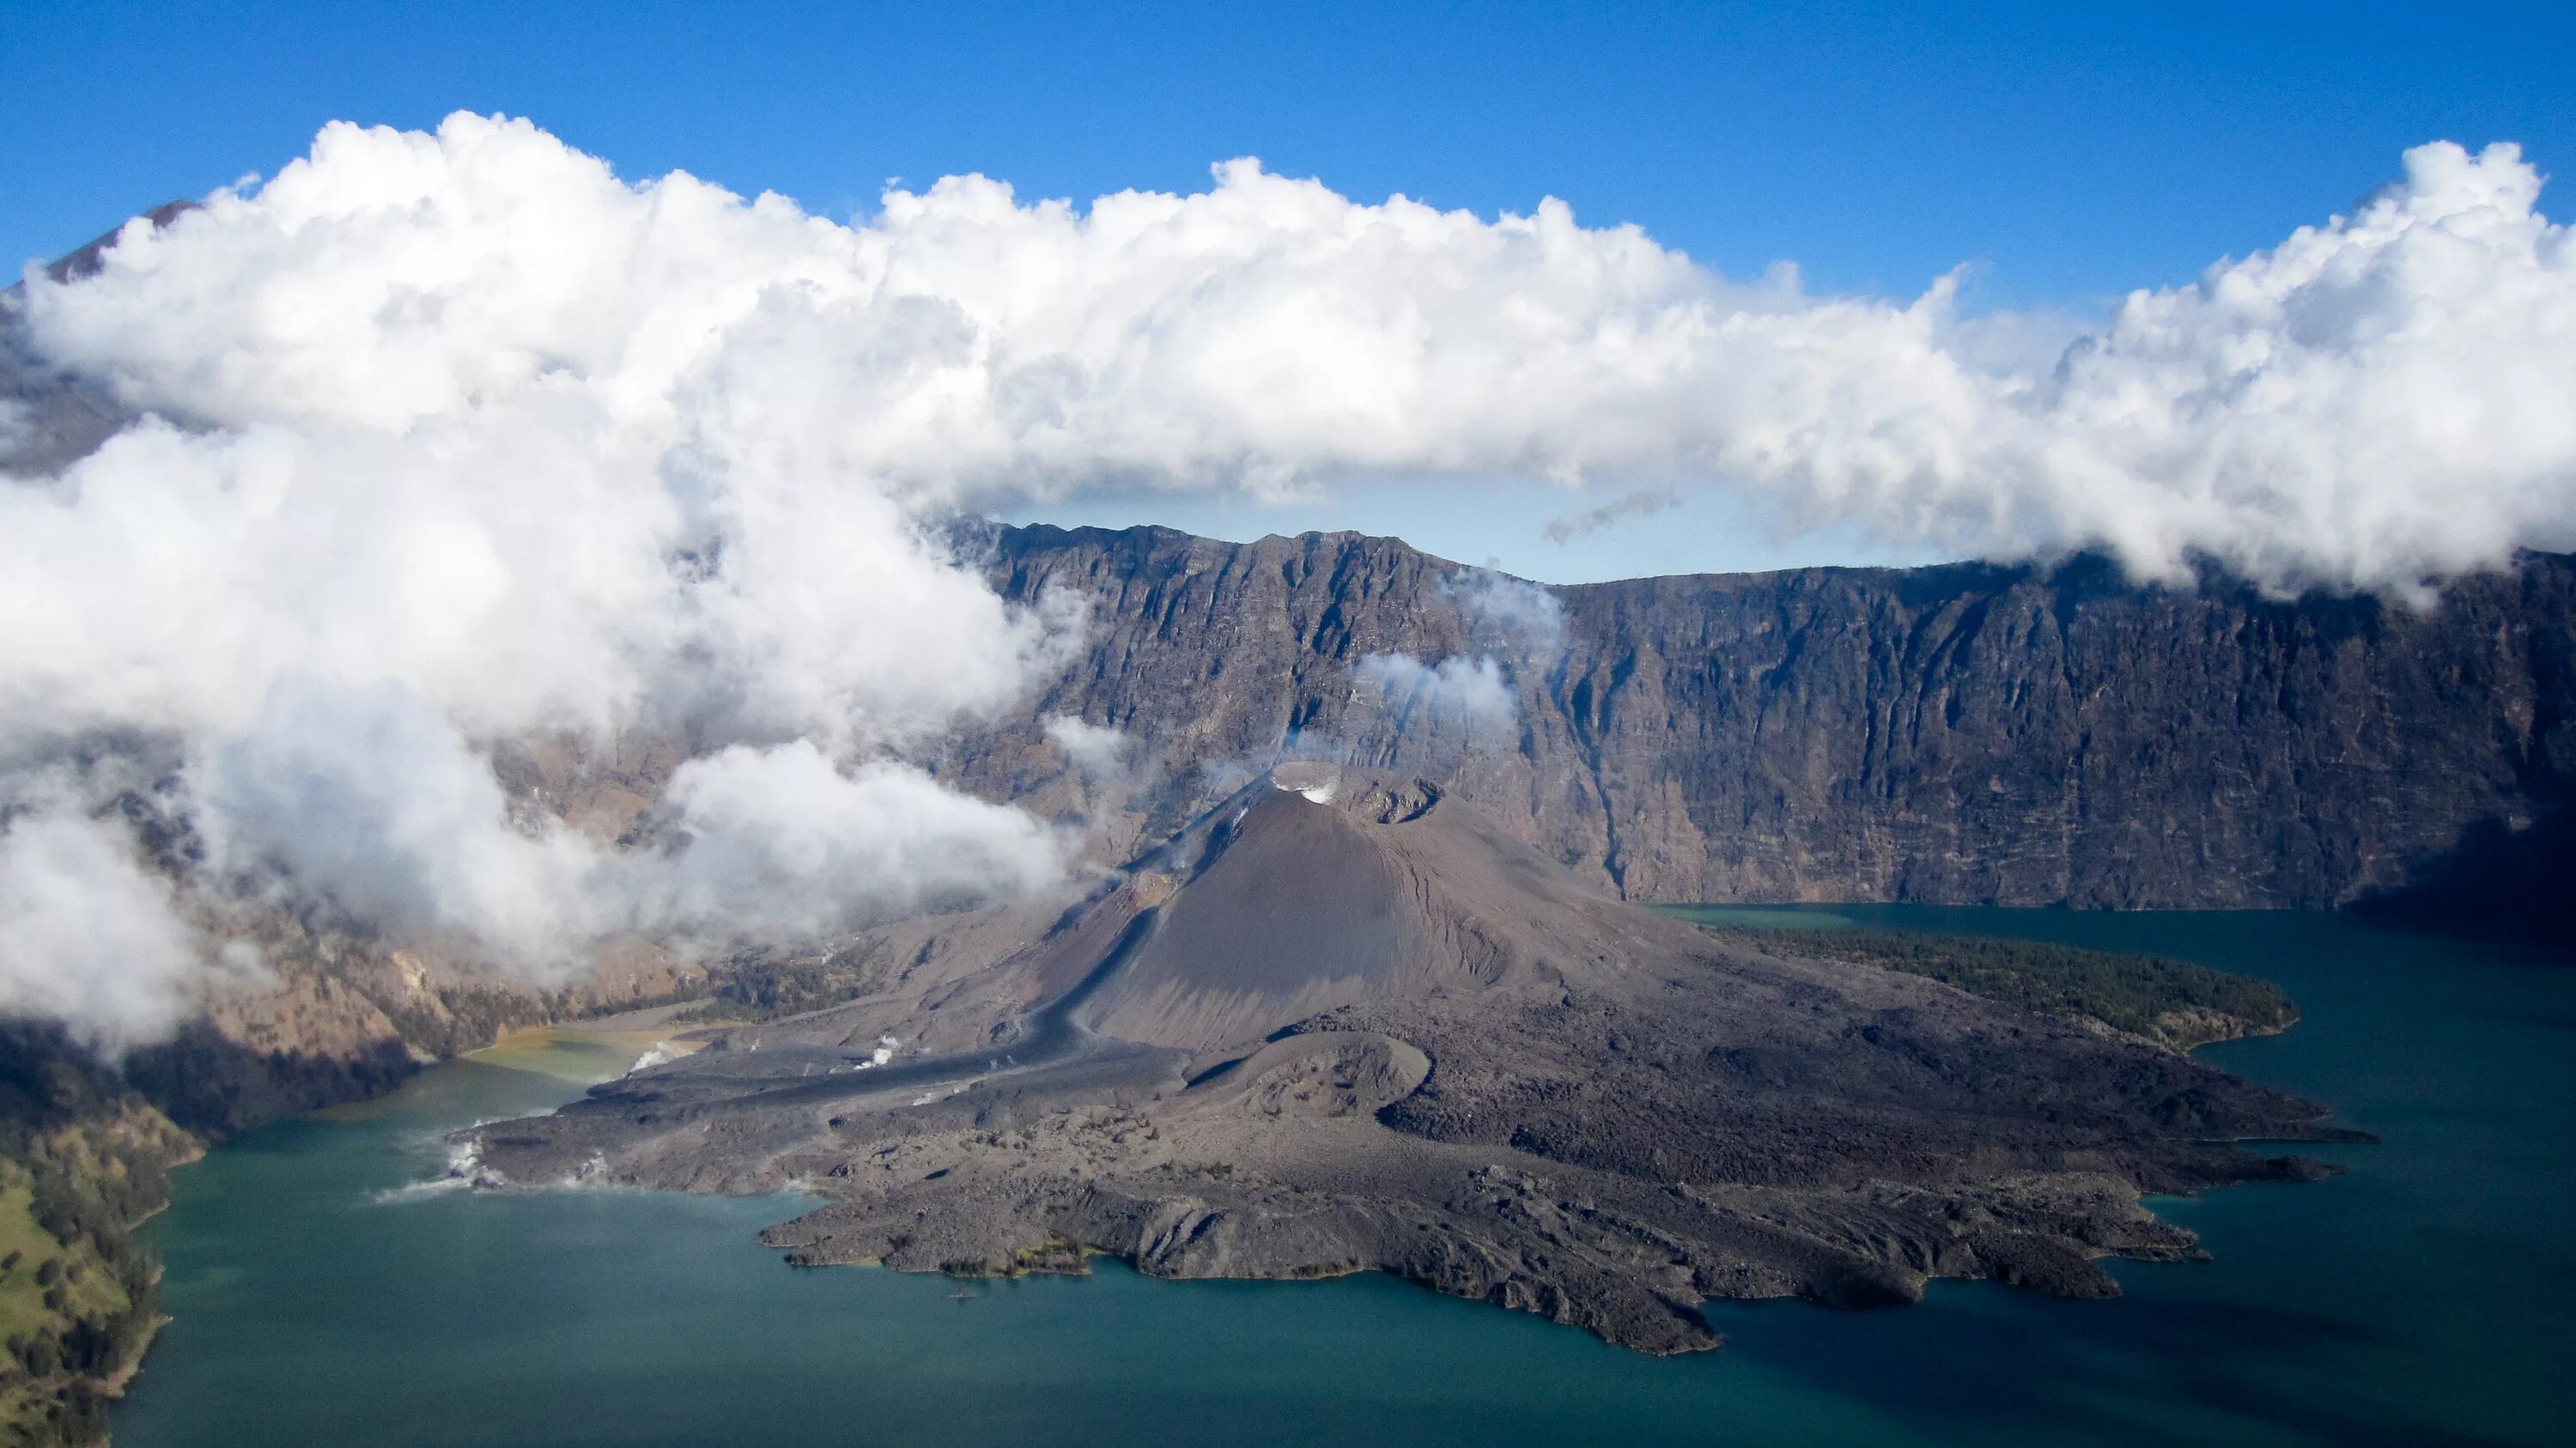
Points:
(2068, 152)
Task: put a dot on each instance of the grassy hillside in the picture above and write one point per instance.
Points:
(83, 1161)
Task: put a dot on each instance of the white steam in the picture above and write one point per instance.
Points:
(1510, 616)
(1098, 750)
(1468, 692)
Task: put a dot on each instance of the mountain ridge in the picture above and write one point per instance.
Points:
(1961, 734)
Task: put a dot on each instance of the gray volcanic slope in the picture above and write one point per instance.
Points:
(1343, 1022)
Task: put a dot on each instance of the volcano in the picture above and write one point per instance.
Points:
(1344, 1022)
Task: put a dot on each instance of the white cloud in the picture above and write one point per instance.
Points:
(2373, 400)
(370, 801)
(87, 935)
(471, 439)
(2376, 401)
(778, 838)
(475, 441)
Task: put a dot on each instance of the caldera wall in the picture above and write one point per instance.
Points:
(1958, 734)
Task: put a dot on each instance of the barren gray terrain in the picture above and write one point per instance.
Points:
(1345, 1023)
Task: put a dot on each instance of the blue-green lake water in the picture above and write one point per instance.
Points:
(2424, 1298)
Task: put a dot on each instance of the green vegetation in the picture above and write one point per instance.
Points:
(756, 986)
(2172, 1003)
(83, 1161)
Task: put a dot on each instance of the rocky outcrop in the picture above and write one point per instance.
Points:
(1960, 734)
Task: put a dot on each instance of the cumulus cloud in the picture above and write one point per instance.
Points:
(782, 838)
(457, 437)
(2375, 402)
(2288, 414)
(88, 936)
(369, 800)
(448, 440)
(2370, 402)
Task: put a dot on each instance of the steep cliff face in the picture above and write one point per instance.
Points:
(337, 1018)
(1963, 734)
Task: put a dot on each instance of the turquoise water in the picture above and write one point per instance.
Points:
(2422, 1299)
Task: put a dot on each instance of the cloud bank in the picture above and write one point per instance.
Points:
(456, 438)
(2371, 402)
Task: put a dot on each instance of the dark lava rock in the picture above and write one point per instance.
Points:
(1345, 1022)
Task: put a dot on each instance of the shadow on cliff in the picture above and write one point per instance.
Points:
(216, 1087)
(2496, 883)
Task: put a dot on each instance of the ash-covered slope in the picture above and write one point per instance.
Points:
(1344, 1022)
(1325, 892)
(1962, 734)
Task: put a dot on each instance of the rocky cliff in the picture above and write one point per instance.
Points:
(1964, 734)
